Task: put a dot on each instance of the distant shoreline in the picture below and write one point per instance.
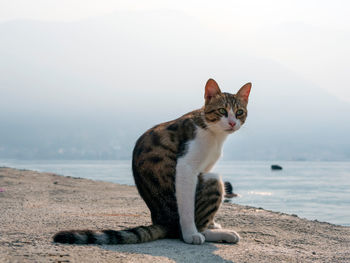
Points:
(36, 205)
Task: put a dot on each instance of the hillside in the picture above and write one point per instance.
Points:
(89, 82)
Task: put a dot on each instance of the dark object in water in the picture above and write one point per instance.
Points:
(276, 167)
(229, 190)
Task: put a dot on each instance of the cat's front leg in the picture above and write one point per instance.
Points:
(185, 186)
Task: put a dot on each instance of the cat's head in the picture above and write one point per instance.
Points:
(225, 112)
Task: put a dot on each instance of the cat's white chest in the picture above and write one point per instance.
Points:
(204, 150)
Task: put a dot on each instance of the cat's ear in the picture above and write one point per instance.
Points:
(211, 90)
(243, 92)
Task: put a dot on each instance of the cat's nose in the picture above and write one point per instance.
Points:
(232, 124)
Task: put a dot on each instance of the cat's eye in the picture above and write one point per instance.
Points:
(239, 113)
(223, 111)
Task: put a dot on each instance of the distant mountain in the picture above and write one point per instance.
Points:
(87, 90)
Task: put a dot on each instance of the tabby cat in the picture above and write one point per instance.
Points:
(171, 166)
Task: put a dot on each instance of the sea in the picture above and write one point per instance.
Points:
(313, 190)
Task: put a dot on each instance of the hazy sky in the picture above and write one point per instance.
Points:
(311, 38)
(86, 78)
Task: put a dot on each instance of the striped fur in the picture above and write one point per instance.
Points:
(155, 162)
(111, 237)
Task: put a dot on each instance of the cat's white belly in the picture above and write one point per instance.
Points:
(204, 150)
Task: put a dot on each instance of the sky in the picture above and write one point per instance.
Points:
(83, 79)
(311, 37)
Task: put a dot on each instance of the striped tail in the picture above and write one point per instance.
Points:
(135, 235)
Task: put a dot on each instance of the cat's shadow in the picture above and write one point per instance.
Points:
(173, 249)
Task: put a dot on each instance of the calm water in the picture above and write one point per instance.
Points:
(314, 190)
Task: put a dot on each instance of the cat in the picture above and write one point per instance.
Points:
(171, 166)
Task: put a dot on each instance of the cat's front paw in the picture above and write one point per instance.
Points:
(194, 238)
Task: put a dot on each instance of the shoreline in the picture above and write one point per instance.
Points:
(36, 205)
(291, 190)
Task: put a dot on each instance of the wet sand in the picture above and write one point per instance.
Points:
(34, 206)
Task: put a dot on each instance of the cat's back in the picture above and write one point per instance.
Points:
(154, 163)
(167, 140)
(161, 146)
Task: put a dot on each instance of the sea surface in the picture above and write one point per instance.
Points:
(313, 190)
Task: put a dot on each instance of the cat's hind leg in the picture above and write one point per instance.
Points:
(221, 235)
(214, 225)
(209, 195)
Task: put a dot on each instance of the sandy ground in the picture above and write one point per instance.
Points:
(33, 206)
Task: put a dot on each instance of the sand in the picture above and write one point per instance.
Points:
(34, 206)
